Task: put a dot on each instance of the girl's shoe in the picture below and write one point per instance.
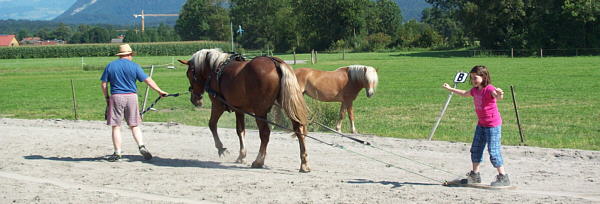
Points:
(501, 180)
(473, 177)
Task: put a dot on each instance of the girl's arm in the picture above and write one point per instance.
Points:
(498, 93)
(456, 91)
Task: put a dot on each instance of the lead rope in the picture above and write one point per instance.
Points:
(158, 99)
(386, 151)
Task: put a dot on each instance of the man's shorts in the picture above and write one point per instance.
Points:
(123, 106)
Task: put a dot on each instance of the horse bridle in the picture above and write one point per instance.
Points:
(195, 80)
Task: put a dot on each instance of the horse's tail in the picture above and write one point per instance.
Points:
(290, 96)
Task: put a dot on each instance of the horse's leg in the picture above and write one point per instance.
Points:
(351, 117)
(338, 126)
(241, 132)
(300, 132)
(265, 132)
(215, 114)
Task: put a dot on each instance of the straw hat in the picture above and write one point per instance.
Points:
(124, 49)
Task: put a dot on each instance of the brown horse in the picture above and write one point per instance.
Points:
(340, 85)
(247, 86)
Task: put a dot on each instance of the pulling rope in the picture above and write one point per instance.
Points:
(158, 99)
(212, 93)
(386, 151)
(316, 139)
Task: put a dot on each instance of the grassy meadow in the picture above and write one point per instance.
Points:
(558, 97)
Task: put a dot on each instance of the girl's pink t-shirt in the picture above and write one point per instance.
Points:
(485, 106)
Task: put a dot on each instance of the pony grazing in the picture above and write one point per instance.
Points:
(243, 86)
(340, 85)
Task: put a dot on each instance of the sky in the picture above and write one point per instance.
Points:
(33, 9)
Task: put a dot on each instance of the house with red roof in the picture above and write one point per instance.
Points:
(8, 41)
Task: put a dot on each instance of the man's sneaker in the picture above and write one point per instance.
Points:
(501, 180)
(114, 157)
(145, 153)
(472, 178)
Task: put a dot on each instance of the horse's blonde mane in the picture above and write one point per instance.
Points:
(363, 73)
(214, 56)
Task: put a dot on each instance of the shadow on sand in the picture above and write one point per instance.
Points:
(158, 161)
(394, 184)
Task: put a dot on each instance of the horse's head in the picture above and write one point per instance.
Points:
(366, 75)
(196, 79)
(199, 70)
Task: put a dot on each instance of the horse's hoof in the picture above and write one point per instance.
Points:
(240, 161)
(223, 151)
(256, 165)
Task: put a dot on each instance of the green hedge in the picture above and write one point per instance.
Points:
(102, 50)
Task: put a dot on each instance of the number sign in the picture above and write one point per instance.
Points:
(460, 77)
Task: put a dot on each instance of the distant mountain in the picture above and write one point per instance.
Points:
(411, 9)
(33, 9)
(120, 12)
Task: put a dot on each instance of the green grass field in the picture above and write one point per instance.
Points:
(558, 97)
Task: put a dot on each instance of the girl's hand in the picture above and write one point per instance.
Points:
(446, 86)
(499, 92)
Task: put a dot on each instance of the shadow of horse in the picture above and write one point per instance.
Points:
(157, 161)
(394, 184)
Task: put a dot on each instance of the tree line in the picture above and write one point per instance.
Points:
(364, 25)
(527, 24)
(82, 33)
(377, 24)
(286, 25)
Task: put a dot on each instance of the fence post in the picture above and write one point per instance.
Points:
(512, 91)
(316, 58)
(343, 53)
(147, 89)
(312, 56)
(512, 52)
(74, 100)
(294, 56)
(541, 52)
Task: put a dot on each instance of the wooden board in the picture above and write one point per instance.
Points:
(463, 183)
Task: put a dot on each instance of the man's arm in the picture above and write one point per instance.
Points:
(104, 86)
(155, 87)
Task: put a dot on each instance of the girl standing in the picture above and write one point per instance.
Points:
(489, 127)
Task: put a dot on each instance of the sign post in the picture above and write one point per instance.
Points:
(460, 77)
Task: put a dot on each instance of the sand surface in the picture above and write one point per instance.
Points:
(61, 161)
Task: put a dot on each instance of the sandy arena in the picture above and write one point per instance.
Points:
(60, 161)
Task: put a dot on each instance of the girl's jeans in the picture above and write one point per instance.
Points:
(490, 136)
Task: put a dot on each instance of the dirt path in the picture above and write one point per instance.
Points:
(54, 161)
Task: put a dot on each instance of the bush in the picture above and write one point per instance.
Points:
(377, 41)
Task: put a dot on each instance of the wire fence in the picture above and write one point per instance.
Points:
(572, 52)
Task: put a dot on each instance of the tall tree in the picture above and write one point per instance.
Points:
(384, 17)
(265, 23)
(63, 32)
(202, 20)
(324, 22)
(452, 30)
